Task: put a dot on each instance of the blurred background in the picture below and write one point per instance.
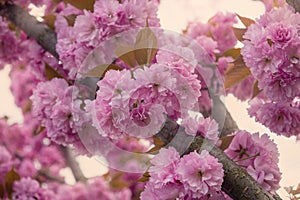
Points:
(175, 15)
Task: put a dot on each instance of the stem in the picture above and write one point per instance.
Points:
(73, 164)
(50, 177)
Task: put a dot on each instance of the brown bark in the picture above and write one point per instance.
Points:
(295, 4)
(36, 30)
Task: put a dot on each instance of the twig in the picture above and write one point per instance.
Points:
(73, 164)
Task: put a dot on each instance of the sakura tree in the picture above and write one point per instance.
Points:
(102, 78)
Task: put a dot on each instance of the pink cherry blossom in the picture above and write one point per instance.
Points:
(259, 155)
(200, 174)
(164, 165)
(280, 118)
(206, 127)
(271, 51)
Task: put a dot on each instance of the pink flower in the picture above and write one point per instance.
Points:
(280, 118)
(206, 127)
(6, 162)
(272, 52)
(265, 173)
(9, 50)
(166, 192)
(200, 174)
(24, 81)
(27, 188)
(259, 155)
(164, 165)
(52, 104)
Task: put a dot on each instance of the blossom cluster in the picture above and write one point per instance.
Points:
(109, 18)
(271, 50)
(52, 105)
(258, 155)
(194, 176)
(152, 93)
(19, 144)
(96, 188)
(216, 37)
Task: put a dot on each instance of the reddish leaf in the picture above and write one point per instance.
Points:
(158, 142)
(234, 53)
(51, 73)
(256, 91)
(71, 19)
(126, 53)
(236, 73)
(154, 150)
(144, 178)
(100, 70)
(38, 130)
(80, 4)
(246, 21)
(50, 20)
(226, 141)
(239, 33)
(117, 182)
(9, 178)
(145, 46)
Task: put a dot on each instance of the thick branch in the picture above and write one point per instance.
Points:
(295, 4)
(72, 163)
(237, 182)
(227, 125)
(40, 32)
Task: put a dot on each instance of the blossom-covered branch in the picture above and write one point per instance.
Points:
(39, 31)
(237, 182)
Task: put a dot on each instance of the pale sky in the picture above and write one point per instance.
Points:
(174, 15)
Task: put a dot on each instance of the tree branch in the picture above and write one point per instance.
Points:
(227, 125)
(72, 163)
(238, 184)
(38, 31)
(295, 4)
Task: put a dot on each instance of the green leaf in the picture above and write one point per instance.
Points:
(255, 91)
(82, 4)
(9, 179)
(236, 73)
(126, 53)
(145, 46)
(226, 141)
(239, 33)
(51, 73)
(246, 21)
(100, 70)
